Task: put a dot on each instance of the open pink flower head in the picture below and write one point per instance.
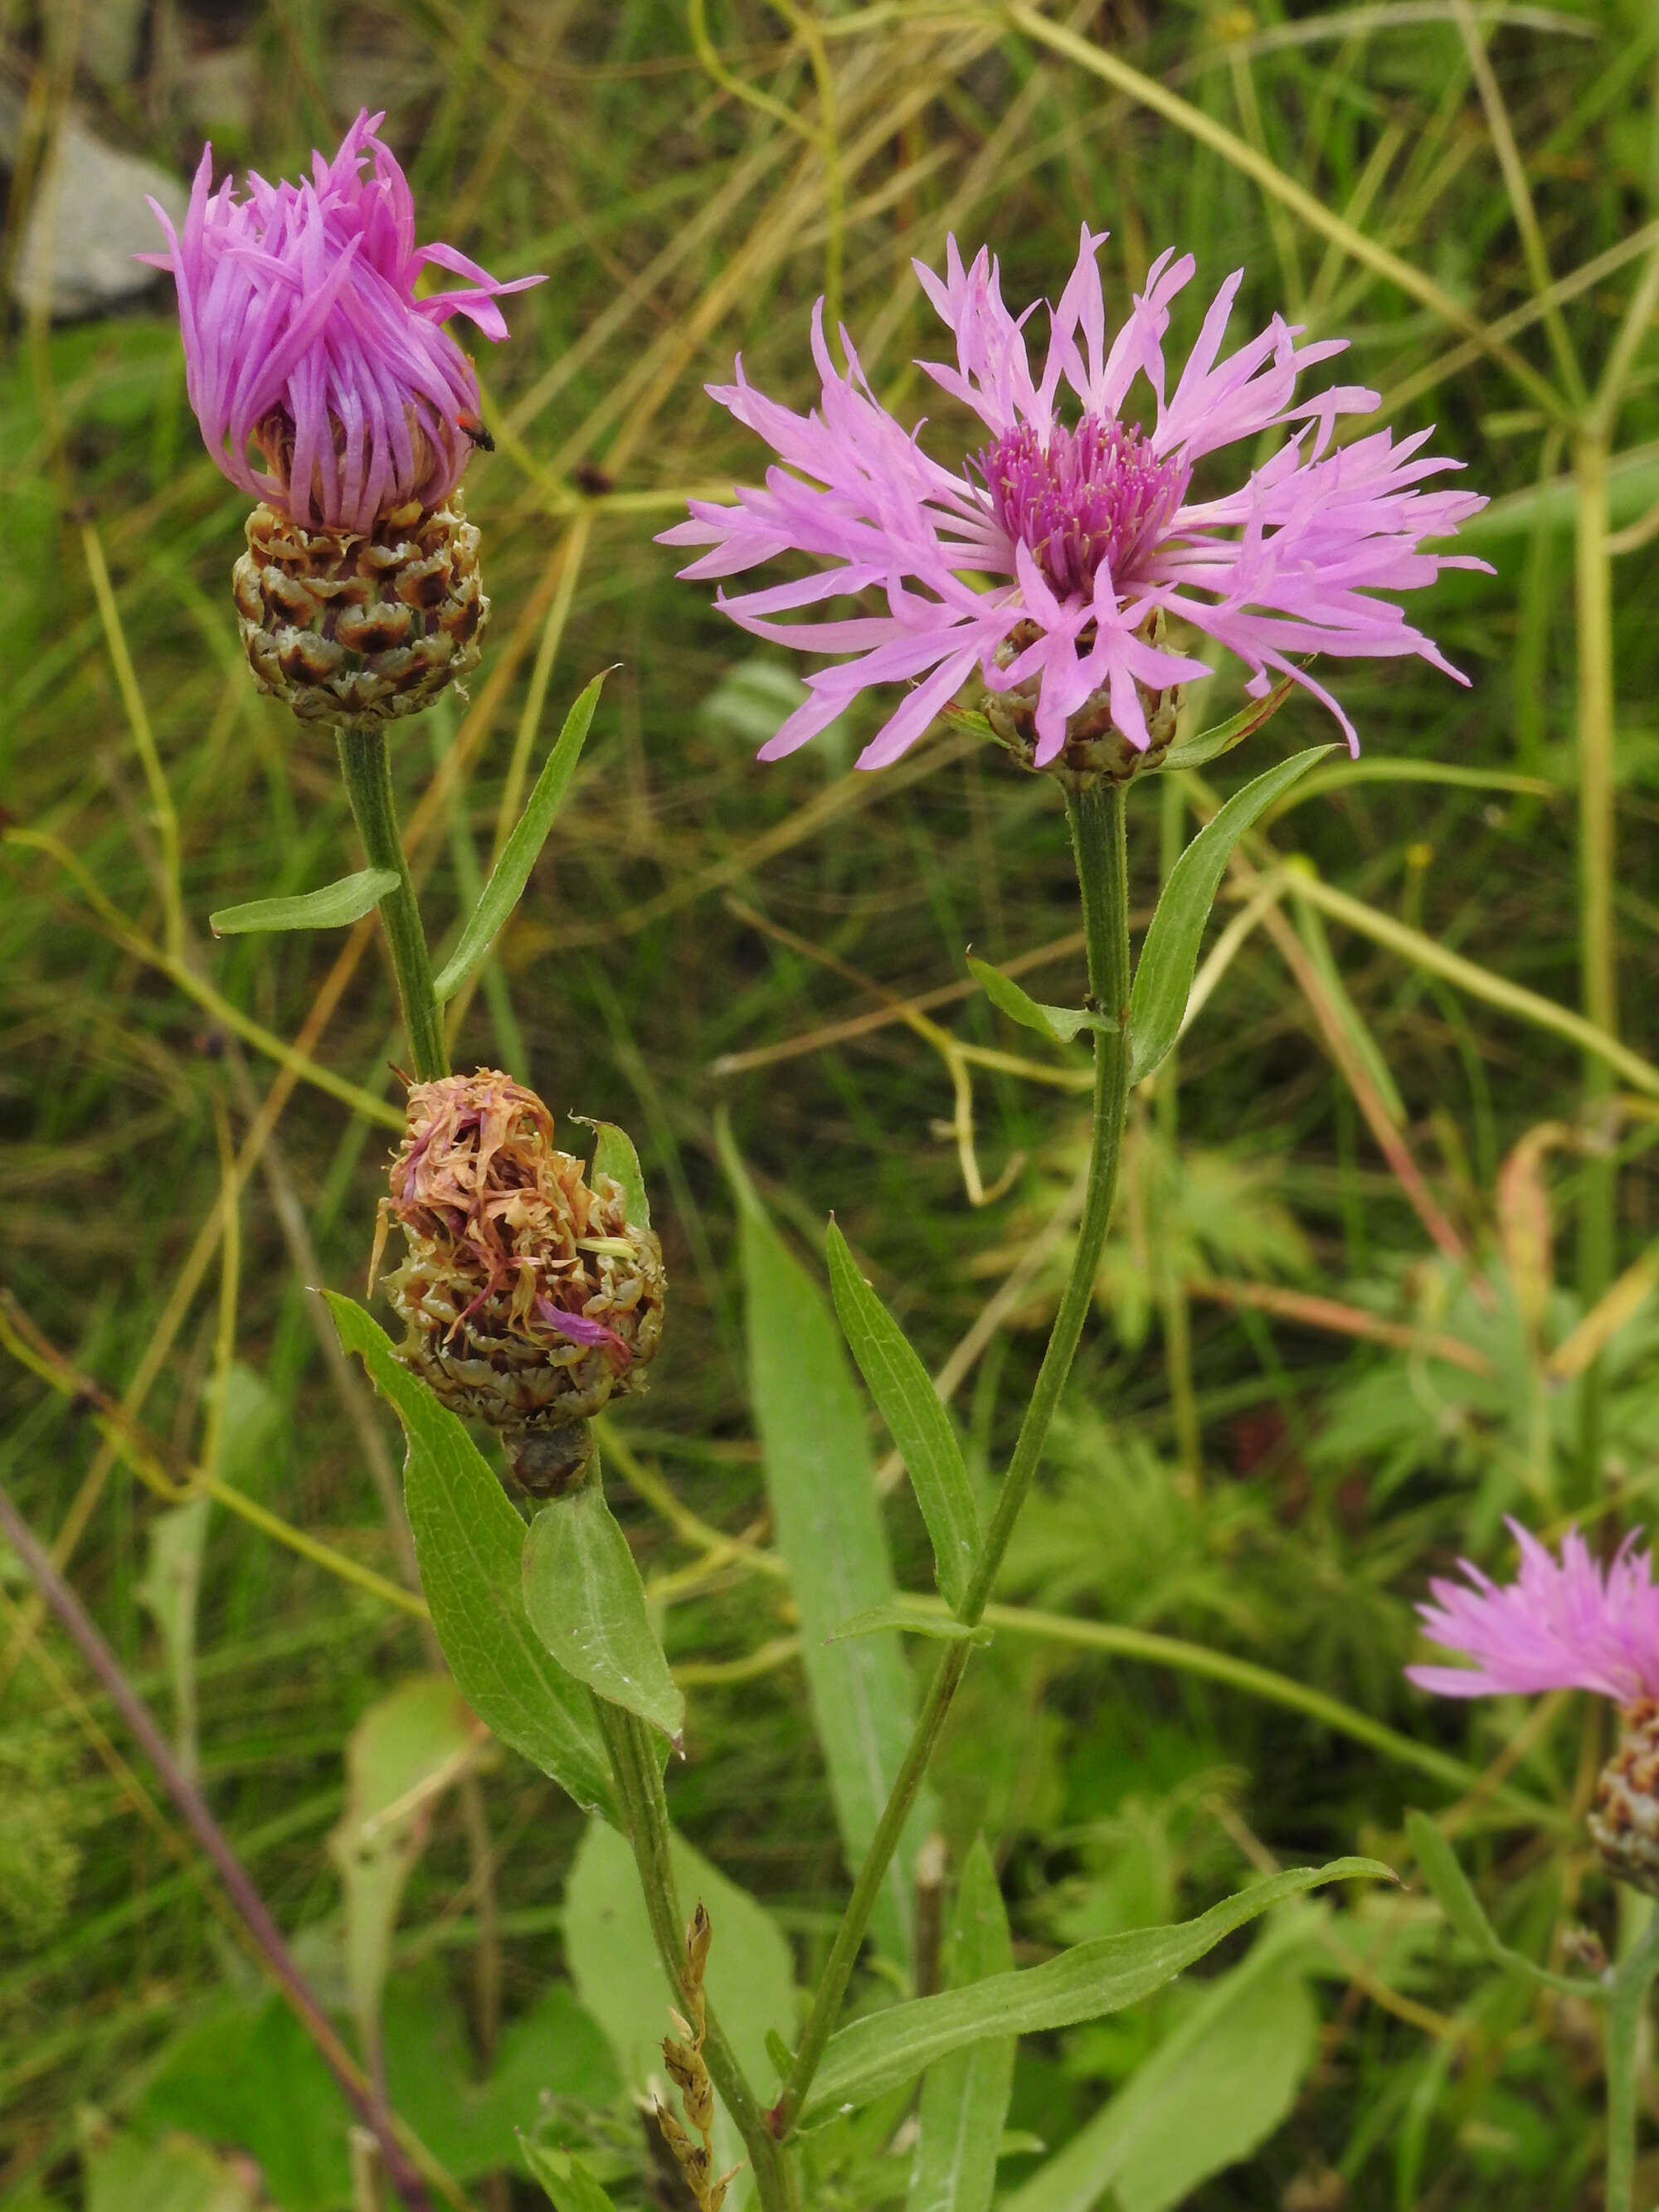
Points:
(1083, 518)
(304, 338)
(1565, 1625)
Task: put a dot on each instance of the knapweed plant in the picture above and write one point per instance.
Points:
(1051, 581)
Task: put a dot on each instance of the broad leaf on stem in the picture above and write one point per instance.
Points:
(519, 855)
(468, 1539)
(566, 2180)
(915, 1419)
(584, 1598)
(1169, 954)
(335, 907)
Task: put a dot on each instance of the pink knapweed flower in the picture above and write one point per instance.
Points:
(303, 337)
(1045, 557)
(1563, 1625)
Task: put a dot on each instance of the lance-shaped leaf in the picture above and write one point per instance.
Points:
(965, 2100)
(512, 871)
(1169, 954)
(585, 1600)
(877, 2053)
(820, 1478)
(468, 1539)
(1060, 1024)
(916, 1420)
(335, 907)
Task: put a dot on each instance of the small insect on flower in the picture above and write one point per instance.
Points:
(1050, 562)
(471, 425)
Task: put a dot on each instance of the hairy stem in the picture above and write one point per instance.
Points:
(239, 1884)
(639, 1782)
(367, 772)
(1631, 1985)
(1097, 819)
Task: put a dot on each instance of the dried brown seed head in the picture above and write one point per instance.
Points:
(528, 1298)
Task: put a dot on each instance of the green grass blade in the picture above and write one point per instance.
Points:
(512, 871)
(336, 905)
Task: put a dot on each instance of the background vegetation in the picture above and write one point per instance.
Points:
(1364, 1216)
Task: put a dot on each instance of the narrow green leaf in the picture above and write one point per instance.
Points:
(1163, 973)
(584, 1598)
(1208, 2095)
(566, 2179)
(468, 1539)
(512, 871)
(916, 1420)
(614, 1155)
(965, 2100)
(1209, 745)
(939, 1625)
(880, 2051)
(1060, 1024)
(820, 1478)
(1437, 1863)
(334, 907)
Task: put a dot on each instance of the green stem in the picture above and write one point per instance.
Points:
(367, 772)
(1097, 816)
(645, 1807)
(1630, 1985)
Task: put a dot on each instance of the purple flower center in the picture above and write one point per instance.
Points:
(1099, 494)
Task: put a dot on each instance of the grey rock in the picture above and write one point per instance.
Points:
(86, 219)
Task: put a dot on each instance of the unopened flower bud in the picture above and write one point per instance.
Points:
(359, 595)
(529, 1298)
(1623, 1822)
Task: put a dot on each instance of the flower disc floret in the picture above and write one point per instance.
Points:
(529, 1298)
(1072, 532)
(303, 337)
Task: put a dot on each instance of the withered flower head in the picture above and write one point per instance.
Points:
(528, 1297)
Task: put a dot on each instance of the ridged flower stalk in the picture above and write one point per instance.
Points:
(1096, 815)
(367, 767)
